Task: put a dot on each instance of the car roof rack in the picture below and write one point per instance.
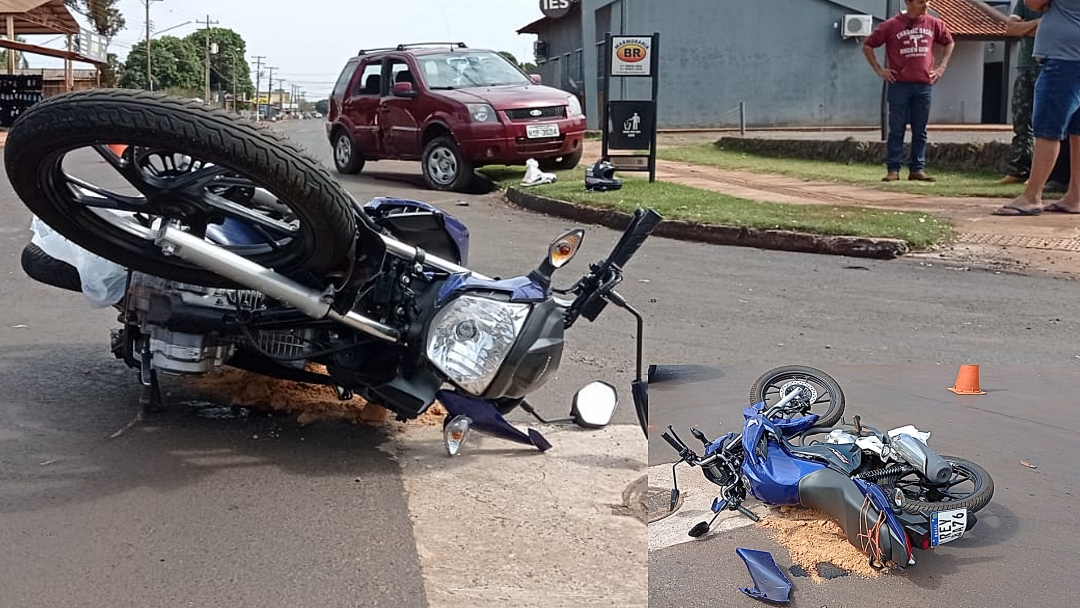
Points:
(402, 47)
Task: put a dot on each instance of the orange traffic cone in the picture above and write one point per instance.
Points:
(967, 381)
(118, 149)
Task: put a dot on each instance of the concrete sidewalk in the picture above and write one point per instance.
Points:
(1049, 242)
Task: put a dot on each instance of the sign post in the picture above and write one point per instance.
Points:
(630, 125)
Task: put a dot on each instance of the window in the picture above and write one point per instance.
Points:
(401, 72)
(370, 82)
(343, 79)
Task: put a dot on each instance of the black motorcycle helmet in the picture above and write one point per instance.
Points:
(600, 176)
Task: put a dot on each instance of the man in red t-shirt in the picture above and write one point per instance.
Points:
(909, 39)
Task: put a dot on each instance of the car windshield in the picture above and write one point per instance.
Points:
(462, 70)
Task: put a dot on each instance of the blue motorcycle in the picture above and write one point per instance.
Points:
(889, 492)
(222, 243)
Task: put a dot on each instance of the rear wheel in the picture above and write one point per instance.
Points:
(241, 186)
(970, 487)
(820, 394)
(445, 167)
(347, 159)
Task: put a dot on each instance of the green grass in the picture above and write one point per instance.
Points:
(675, 201)
(950, 183)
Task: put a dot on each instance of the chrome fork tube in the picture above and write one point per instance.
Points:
(193, 249)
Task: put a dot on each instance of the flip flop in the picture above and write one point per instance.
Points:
(1011, 210)
(1057, 208)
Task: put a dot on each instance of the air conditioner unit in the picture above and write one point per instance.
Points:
(857, 26)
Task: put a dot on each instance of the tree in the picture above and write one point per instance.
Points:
(229, 65)
(112, 72)
(20, 58)
(175, 64)
(107, 20)
(528, 68)
(322, 106)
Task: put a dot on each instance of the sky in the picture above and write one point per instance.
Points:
(310, 41)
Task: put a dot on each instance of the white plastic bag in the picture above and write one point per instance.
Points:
(103, 282)
(534, 176)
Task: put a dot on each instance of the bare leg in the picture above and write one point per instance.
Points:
(1071, 200)
(1042, 164)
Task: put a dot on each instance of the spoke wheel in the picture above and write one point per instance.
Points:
(821, 394)
(239, 186)
(970, 487)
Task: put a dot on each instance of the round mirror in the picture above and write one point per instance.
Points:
(594, 405)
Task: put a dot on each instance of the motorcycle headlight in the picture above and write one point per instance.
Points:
(482, 112)
(469, 339)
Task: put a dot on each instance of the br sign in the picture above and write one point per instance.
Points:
(554, 9)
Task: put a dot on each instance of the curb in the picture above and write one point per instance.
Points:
(781, 240)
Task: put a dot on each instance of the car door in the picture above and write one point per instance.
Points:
(361, 108)
(400, 117)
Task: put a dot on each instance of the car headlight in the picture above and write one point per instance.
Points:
(470, 337)
(574, 108)
(482, 112)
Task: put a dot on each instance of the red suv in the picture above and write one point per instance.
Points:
(452, 108)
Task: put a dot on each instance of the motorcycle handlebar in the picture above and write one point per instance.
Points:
(641, 226)
(671, 441)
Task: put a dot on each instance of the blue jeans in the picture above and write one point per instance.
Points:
(909, 103)
(1056, 112)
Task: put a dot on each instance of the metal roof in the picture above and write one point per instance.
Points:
(37, 17)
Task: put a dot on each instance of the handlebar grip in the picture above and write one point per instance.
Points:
(671, 441)
(644, 222)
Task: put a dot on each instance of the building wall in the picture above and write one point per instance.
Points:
(958, 95)
(783, 59)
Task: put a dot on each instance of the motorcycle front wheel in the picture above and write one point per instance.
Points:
(821, 394)
(106, 168)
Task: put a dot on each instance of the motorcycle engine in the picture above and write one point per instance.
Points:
(183, 325)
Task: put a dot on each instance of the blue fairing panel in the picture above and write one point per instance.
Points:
(881, 500)
(458, 232)
(234, 233)
(773, 479)
(521, 289)
(789, 428)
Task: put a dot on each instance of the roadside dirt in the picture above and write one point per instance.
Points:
(811, 538)
(311, 402)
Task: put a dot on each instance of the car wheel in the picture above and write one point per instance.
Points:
(444, 167)
(347, 158)
(562, 163)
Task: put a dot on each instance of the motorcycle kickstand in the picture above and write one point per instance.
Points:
(151, 397)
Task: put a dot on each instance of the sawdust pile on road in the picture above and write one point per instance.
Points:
(312, 402)
(811, 537)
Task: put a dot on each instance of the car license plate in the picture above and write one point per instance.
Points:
(946, 526)
(535, 131)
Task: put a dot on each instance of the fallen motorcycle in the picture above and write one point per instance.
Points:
(235, 247)
(889, 492)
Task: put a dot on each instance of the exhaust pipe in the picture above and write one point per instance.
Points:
(193, 249)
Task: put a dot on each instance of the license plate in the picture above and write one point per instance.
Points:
(947, 526)
(535, 131)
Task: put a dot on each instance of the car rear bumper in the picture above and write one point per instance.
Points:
(509, 144)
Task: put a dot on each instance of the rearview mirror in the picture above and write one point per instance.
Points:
(404, 89)
(536, 78)
(594, 405)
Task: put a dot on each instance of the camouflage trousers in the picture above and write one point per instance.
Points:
(1023, 141)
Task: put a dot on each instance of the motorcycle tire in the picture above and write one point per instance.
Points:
(46, 269)
(760, 391)
(984, 491)
(192, 137)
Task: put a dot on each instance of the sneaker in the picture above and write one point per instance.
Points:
(919, 176)
(891, 177)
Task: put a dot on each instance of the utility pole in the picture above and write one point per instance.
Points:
(206, 89)
(258, 77)
(149, 78)
(270, 90)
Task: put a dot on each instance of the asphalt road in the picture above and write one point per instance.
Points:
(96, 521)
(1021, 552)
